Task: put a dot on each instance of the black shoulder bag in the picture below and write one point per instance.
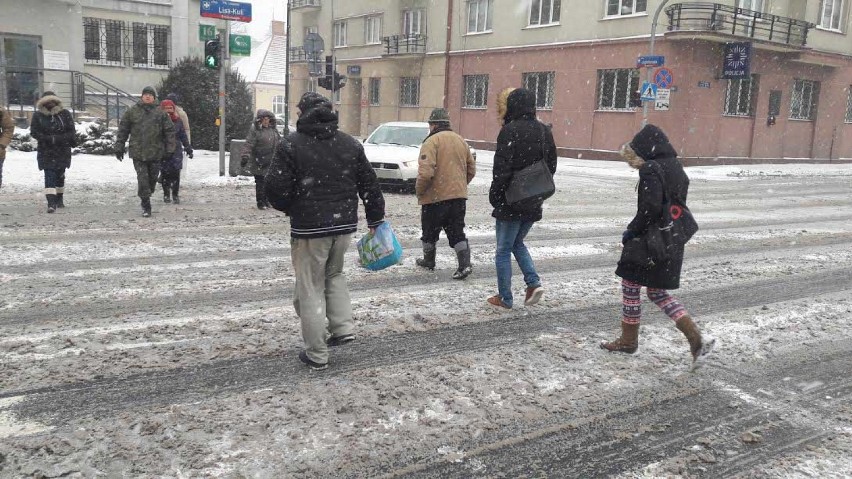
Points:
(533, 184)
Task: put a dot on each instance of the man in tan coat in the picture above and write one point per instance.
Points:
(445, 168)
(7, 127)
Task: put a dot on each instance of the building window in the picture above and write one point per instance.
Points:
(740, 96)
(375, 88)
(412, 22)
(409, 91)
(372, 30)
(475, 91)
(311, 29)
(150, 45)
(541, 83)
(112, 42)
(339, 34)
(849, 106)
(544, 12)
(803, 100)
(830, 14)
(102, 40)
(479, 13)
(615, 87)
(278, 104)
(617, 8)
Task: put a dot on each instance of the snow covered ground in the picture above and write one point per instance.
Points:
(166, 347)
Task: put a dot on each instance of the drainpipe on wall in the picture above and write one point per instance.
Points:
(447, 53)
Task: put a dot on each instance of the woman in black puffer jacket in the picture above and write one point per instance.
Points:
(53, 127)
(660, 175)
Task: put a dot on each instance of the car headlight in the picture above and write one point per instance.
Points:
(409, 164)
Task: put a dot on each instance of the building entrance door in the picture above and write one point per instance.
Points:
(20, 60)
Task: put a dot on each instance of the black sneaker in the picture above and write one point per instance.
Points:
(303, 356)
(340, 340)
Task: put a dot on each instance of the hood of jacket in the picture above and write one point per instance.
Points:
(520, 105)
(651, 143)
(318, 118)
(54, 102)
(260, 115)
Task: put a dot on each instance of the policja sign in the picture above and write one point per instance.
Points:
(737, 60)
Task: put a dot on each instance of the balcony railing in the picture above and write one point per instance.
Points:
(726, 19)
(404, 44)
(297, 4)
(298, 55)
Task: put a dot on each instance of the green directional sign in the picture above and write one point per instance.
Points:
(240, 45)
(206, 32)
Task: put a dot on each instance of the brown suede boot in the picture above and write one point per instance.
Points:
(627, 343)
(687, 326)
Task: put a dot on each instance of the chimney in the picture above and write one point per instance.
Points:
(279, 28)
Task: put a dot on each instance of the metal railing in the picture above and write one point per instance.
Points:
(730, 20)
(404, 44)
(295, 4)
(298, 55)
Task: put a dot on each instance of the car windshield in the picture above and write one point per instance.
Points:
(399, 135)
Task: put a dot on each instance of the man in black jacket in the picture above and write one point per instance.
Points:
(315, 178)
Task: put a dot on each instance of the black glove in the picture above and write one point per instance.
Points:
(189, 153)
(119, 154)
(627, 236)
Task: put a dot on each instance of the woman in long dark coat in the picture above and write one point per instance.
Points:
(257, 154)
(660, 173)
(53, 127)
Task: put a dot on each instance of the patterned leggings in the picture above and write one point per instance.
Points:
(631, 305)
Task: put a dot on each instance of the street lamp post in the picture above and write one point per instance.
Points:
(287, 72)
(651, 52)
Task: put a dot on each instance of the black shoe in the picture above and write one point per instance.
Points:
(303, 356)
(166, 199)
(340, 340)
(59, 201)
(50, 209)
(176, 199)
(146, 207)
(261, 205)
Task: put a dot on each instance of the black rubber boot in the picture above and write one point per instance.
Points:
(428, 259)
(175, 188)
(146, 207)
(167, 198)
(463, 255)
(59, 202)
(51, 203)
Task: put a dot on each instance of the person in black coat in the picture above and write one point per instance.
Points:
(661, 177)
(172, 163)
(53, 127)
(316, 177)
(522, 141)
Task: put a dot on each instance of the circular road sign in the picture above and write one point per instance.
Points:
(663, 78)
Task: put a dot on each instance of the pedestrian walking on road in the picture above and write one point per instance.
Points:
(173, 163)
(316, 178)
(175, 98)
(445, 168)
(660, 175)
(53, 127)
(7, 128)
(152, 138)
(522, 141)
(261, 143)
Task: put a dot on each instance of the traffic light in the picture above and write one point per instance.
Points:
(332, 80)
(212, 51)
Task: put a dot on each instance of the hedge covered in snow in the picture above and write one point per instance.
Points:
(92, 137)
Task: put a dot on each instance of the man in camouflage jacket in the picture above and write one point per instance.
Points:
(152, 138)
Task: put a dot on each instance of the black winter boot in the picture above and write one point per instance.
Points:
(146, 207)
(175, 188)
(428, 259)
(51, 203)
(59, 202)
(166, 193)
(463, 254)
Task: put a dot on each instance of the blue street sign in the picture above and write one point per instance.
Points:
(663, 78)
(648, 91)
(651, 61)
(226, 10)
(737, 60)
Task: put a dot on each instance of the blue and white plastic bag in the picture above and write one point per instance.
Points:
(380, 250)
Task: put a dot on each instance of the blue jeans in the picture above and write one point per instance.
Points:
(510, 240)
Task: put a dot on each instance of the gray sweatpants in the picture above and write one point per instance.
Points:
(146, 177)
(321, 291)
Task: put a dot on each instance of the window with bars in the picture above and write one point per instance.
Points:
(616, 8)
(310, 85)
(544, 12)
(278, 104)
(615, 87)
(339, 34)
(831, 13)
(475, 91)
(541, 83)
(375, 89)
(113, 42)
(479, 13)
(409, 91)
(849, 105)
(372, 30)
(412, 22)
(803, 99)
(740, 96)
